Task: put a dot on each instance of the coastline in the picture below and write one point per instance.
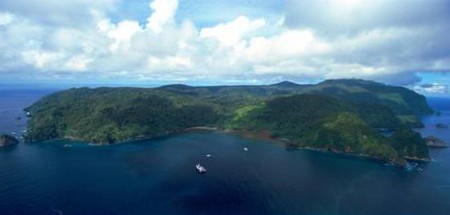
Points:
(260, 135)
(266, 136)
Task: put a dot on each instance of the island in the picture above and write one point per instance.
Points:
(7, 140)
(342, 116)
(435, 142)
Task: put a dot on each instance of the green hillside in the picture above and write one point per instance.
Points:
(333, 115)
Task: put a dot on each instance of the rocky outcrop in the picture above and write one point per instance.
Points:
(435, 142)
(7, 140)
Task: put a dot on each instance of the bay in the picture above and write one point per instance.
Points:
(158, 177)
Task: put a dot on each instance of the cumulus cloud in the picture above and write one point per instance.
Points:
(230, 34)
(163, 13)
(377, 40)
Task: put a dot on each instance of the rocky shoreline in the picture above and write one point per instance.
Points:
(7, 140)
(435, 142)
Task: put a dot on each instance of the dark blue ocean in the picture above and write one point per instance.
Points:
(158, 176)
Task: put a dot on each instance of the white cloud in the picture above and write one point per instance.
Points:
(77, 63)
(41, 60)
(232, 33)
(121, 34)
(287, 44)
(5, 18)
(243, 48)
(434, 88)
(163, 13)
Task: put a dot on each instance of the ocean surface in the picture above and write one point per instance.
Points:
(158, 176)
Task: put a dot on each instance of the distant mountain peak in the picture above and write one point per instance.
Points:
(176, 86)
(285, 84)
(350, 81)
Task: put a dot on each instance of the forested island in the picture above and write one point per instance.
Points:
(346, 115)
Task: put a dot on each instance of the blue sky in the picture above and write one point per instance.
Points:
(151, 42)
(204, 13)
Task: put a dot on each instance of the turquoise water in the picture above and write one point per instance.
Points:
(158, 177)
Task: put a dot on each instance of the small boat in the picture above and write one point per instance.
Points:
(208, 155)
(67, 146)
(246, 149)
(200, 168)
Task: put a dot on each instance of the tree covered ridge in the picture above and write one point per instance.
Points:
(324, 116)
(323, 122)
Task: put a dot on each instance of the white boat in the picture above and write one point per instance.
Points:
(208, 155)
(246, 149)
(200, 168)
(67, 146)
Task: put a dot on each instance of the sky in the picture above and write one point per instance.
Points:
(206, 42)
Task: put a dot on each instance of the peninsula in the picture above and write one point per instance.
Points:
(343, 116)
